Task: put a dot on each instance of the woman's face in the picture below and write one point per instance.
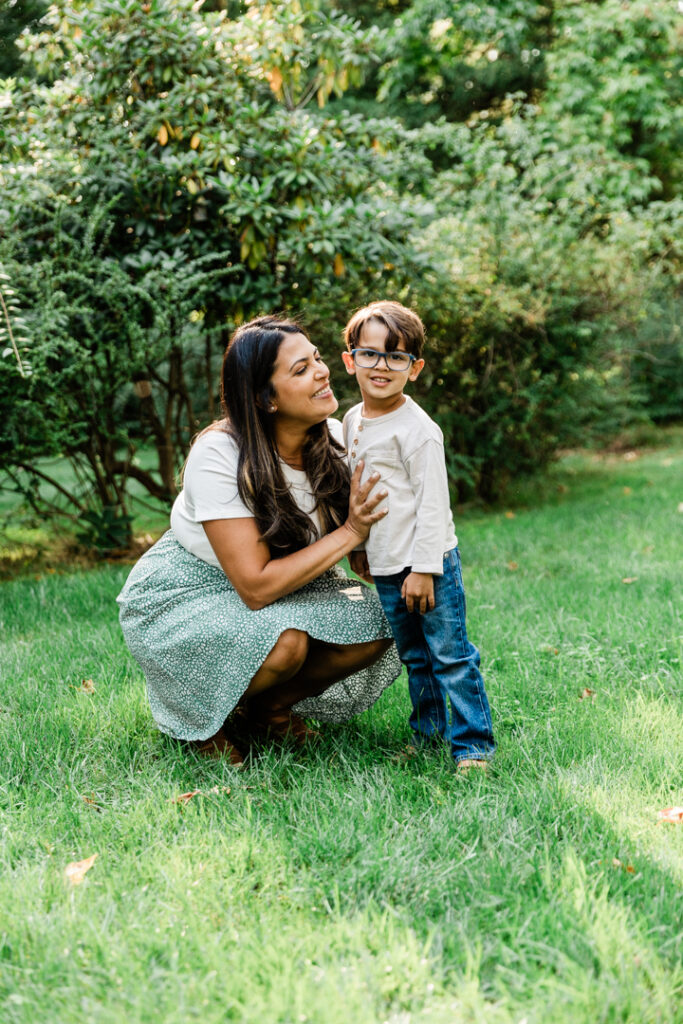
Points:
(302, 383)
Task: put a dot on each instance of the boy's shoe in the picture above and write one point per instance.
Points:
(468, 764)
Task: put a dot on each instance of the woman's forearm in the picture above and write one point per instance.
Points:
(259, 579)
(281, 576)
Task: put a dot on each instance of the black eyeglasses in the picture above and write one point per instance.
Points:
(368, 359)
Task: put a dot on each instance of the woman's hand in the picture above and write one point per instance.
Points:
(363, 511)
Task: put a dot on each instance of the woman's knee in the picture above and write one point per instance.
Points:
(290, 651)
(382, 645)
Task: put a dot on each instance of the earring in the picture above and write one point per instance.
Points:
(272, 408)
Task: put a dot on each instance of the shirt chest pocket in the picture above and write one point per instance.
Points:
(388, 465)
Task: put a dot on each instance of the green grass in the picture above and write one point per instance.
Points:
(343, 886)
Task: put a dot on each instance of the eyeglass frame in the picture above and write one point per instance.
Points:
(375, 352)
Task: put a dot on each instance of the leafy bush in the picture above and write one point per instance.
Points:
(173, 184)
(186, 168)
(528, 341)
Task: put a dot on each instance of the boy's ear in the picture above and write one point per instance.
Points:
(347, 359)
(416, 369)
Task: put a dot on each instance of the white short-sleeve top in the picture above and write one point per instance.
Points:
(210, 490)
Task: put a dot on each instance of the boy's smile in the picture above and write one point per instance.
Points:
(381, 388)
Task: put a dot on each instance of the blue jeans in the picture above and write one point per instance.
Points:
(446, 686)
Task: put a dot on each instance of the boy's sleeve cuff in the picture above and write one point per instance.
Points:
(433, 568)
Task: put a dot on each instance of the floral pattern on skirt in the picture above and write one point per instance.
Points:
(199, 645)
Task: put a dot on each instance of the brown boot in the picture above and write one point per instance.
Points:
(265, 724)
(217, 746)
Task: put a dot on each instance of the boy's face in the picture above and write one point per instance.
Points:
(380, 385)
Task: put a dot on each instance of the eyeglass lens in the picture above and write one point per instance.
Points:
(367, 358)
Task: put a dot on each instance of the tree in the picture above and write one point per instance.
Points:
(227, 191)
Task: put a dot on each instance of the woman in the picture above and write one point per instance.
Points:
(240, 600)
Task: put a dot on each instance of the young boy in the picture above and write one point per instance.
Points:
(412, 553)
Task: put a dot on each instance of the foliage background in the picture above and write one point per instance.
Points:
(171, 168)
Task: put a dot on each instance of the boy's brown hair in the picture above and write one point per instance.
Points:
(402, 324)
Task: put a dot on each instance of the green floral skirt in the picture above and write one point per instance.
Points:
(199, 645)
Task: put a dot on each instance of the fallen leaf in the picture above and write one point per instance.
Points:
(87, 686)
(185, 798)
(587, 694)
(630, 456)
(509, 514)
(671, 815)
(91, 802)
(626, 867)
(626, 490)
(513, 566)
(629, 579)
(76, 871)
(549, 649)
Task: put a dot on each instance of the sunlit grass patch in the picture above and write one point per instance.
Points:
(345, 883)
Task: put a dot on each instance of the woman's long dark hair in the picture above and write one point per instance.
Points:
(246, 395)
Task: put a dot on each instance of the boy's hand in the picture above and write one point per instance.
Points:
(418, 592)
(358, 560)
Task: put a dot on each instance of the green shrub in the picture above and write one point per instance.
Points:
(519, 329)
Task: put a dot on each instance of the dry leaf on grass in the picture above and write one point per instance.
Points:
(587, 694)
(629, 579)
(671, 815)
(185, 798)
(76, 871)
(513, 566)
(509, 514)
(626, 490)
(87, 686)
(616, 863)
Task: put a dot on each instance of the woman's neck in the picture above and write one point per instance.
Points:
(290, 444)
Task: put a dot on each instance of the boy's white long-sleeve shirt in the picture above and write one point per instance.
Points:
(406, 448)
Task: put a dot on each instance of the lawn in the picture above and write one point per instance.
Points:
(342, 884)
